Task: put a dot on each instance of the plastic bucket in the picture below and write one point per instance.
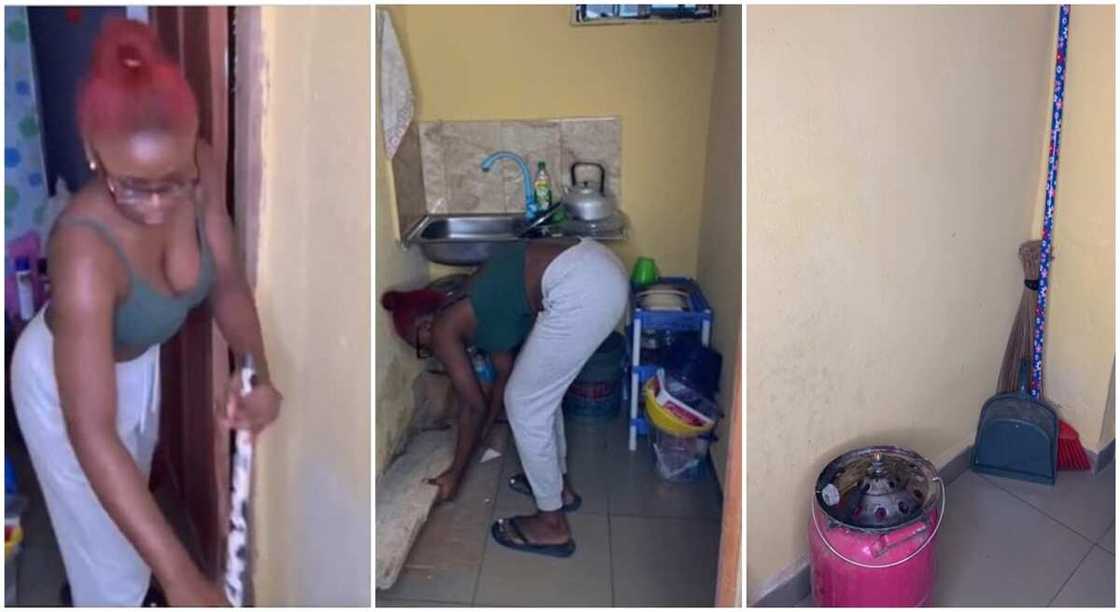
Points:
(593, 400)
(597, 391)
(605, 364)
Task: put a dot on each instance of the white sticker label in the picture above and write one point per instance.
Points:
(831, 495)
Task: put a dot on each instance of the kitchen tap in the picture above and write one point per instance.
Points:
(526, 178)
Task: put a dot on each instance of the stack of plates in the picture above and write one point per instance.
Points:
(663, 297)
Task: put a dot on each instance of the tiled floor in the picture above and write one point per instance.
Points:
(40, 573)
(1011, 543)
(639, 541)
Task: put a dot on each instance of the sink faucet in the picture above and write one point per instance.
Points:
(526, 178)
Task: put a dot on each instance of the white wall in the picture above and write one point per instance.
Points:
(311, 509)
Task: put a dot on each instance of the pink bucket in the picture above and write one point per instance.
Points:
(872, 529)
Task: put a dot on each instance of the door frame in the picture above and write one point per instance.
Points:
(194, 449)
(728, 575)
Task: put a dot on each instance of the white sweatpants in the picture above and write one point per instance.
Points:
(101, 565)
(585, 296)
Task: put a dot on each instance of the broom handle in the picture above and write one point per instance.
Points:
(1048, 210)
(237, 543)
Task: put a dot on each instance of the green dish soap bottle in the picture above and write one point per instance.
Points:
(542, 187)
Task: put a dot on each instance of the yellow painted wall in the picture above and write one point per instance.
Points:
(1080, 328)
(720, 264)
(397, 365)
(524, 62)
(311, 510)
(893, 164)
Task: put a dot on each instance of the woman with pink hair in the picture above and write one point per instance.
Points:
(143, 242)
(539, 309)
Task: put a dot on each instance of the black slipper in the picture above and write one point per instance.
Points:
(501, 536)
(520, 483)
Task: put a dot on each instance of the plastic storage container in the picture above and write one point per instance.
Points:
(680, 459)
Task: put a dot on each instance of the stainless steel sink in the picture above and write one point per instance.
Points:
(465, 239)
(468, 239)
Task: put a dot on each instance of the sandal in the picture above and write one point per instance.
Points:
(501, 532)
(520, 483)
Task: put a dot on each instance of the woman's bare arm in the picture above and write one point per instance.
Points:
(503, 367)
(449, 346)
(82, 319)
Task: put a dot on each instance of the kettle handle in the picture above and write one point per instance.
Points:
(602, 175)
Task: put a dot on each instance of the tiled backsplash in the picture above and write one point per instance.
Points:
(408, 182)
(451, 155)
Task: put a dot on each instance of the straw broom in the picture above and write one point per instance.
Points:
(1022, 330)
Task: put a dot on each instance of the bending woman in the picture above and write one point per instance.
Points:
(143, 242)
(556, 300)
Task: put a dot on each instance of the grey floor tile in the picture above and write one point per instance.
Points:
(443, 563)
(1108, 540)
(637, 490)
(385, 602)
(664, 562)
(1093, 584)
(997, 550)
(1080, 500)
(449, 583)
(511, 578)
(40, 577)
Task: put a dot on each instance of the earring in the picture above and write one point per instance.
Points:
(92, 166)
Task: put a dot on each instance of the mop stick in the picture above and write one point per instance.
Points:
(1048, 210)
(238, 540)
(1071, 454)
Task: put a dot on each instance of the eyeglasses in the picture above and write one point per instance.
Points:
(421, 352)
(129, 190)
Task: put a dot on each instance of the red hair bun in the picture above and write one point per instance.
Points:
(133, 85)
(407, 306)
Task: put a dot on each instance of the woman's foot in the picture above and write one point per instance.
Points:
(544, 533)
(545, 528)
(571, 500)
(448, 485)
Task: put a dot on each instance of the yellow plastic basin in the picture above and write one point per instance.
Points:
(663, 419)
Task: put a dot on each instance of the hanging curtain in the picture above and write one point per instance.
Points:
(27, 205)
(25, 186)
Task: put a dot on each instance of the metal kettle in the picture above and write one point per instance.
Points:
(588, 201)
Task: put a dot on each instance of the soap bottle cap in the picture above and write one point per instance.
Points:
(23, 264)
